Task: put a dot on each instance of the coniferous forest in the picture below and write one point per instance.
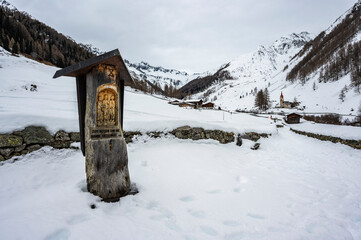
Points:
(333, 53)
(20, 33)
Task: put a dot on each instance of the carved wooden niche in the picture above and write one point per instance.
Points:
(107, 105)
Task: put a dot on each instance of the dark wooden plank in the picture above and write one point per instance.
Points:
(81, 93)
(121, 102)
(112, 57)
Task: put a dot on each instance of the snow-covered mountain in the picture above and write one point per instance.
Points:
(318, 69)
(263, 63)
(159, 75)
(63, 55)
(253, 71)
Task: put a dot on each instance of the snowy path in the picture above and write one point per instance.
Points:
(191, 190)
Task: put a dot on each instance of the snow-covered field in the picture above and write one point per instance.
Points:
(293, 187)
(191, 190)
(54, 105)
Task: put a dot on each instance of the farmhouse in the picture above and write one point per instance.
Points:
(208, 105)
(187, 105)
(196, 103)
(174, 102)
(293, 118)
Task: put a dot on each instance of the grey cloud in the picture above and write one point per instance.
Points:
(195, 35)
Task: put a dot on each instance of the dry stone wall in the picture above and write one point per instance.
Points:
(33, 138)
(349, 142)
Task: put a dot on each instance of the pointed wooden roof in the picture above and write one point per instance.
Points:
(82, 68)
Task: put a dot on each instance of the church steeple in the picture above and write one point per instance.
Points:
(281, 100)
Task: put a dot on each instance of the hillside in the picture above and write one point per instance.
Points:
(160, 75)
(249, 72)
(30, 96)
(20, 33)
(312, 72)
(259, 65)
(334, 53)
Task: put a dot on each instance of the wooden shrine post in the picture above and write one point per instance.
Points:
(100, 92)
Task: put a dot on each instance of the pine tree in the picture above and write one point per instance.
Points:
(314, 86)
(266, 100)
(262, 99)
(342, 94)
(16, 48)
(259, 99)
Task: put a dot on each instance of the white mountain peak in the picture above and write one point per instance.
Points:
(265, 61)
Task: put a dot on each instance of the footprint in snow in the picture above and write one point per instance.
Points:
(62, 233)
(214, 191)
(82, 186)
(197, 213)
(256, 216)
(77, 219)
(152, 205)
(231, 223)
(208, 230)
(242, 179)
(172, 226)
(238, 190)
(159, 217)
(187, 199)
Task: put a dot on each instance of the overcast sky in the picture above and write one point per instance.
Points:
(191, 35)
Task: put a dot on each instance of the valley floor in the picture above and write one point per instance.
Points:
(293, 187)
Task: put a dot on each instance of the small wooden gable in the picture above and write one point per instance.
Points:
(293, 118)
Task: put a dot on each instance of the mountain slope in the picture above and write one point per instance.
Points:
(250, 71)
(159, 76)
(334, 53)
(314, 73)
(20, 33)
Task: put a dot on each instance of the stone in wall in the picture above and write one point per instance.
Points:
(33, 148)
(253, 136)
(62, 136)
(186, 132)
(128, 136)
(75, 136)
(6, 152)
(60, 144)
(20, 148)
(35, 135)
(62, 140)
(9, 140)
